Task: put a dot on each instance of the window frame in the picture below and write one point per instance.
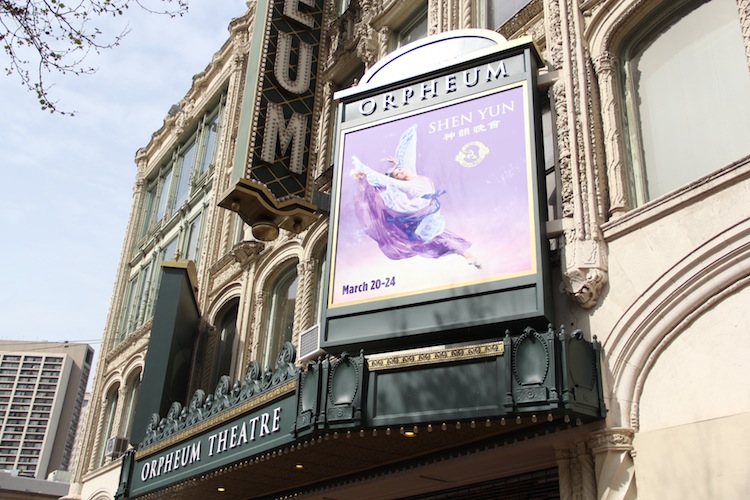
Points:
(127, 309)
(189, 232)
(175, 184)
(206, 157)
(185, 172)
(321, 291)
(108, 422)
(271, 340)
(648, 31)
(134, 387)
(419, 15)
(164, 190)
(224, 360)
(481, 16)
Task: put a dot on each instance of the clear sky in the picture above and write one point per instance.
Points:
(66, 183)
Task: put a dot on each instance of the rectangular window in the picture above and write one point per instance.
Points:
(492, 14)
(184, 170)
(168, 253)
(164, 183)
(239, 230)
(143, 294)
(148, 209)
(170, 250)
(209, 144)
(193, 238)
(128, 312)
(414, 29)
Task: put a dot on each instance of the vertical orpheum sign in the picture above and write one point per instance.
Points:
(437, 228)
(273, 184)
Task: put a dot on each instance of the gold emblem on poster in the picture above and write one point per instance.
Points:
(472, 153)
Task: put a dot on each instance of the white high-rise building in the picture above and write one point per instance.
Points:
(42, 385)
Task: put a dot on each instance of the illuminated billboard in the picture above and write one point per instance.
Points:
(434, 201)
(435, 224)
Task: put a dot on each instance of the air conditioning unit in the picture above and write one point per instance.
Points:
(115, 447)
(309, 344)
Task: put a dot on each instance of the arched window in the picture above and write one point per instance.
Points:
(108, 423)
(226, 329)
(687, 95)
(134, 388)
(280, 316)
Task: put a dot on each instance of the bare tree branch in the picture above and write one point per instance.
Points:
(41, 37)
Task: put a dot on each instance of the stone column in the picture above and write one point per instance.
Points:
(323, 129)
(562, 456)
(257, 326)
(384, 36)
(605, 66)
(465, 11)
(744, 10)
(122, 400)
(434, 16)
(615, 470)
(304, 304)
(576, 472)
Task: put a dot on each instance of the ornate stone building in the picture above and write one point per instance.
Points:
(645, 118)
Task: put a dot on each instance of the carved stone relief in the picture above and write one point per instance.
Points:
(306, 294)
(575, 100)
(575, 468)
(743, 6)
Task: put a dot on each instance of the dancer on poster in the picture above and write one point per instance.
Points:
(400, 210)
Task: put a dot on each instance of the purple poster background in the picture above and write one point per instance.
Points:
(477, 152)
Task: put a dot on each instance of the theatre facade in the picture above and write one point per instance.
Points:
(455, 249)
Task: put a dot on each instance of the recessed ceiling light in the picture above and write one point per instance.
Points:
(299, 466)
(410, 434)
(221, 489)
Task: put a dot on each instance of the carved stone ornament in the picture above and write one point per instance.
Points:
(225, 397)
(583, 193)
(367, 46)
(743, 6)
(611, 439)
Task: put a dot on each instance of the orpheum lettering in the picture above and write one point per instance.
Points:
(279, 130)
(172, 461)
(282, 132)
(243, 433)
(434, 88)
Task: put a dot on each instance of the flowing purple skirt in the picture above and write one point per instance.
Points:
(394, 236)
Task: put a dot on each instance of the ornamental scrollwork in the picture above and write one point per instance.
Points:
(226, 397)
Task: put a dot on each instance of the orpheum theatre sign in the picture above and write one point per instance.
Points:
(237, 434)
(273, 185)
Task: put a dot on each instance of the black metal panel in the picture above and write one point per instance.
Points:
(581, 381)
(554, 371)
(534, 373)
(331, 394)
(345, 391)
(170, 351)
(310, 398)
(446, 391)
